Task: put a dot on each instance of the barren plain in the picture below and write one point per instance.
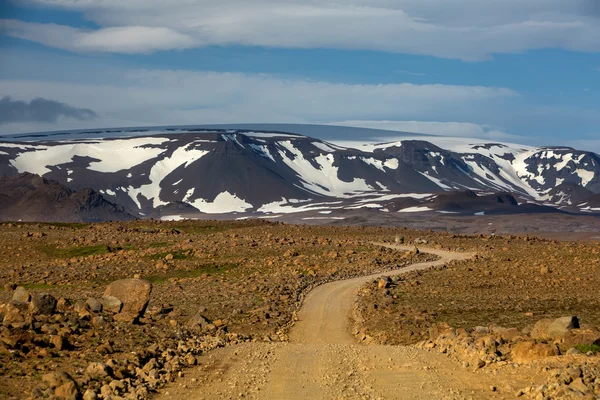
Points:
(226, 301)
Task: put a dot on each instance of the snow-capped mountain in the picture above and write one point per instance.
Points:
(234, 171)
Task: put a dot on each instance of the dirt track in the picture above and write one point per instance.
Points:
(324, 361)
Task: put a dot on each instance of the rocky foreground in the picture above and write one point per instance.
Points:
(118, 310)
(122, 318)
(499, 311)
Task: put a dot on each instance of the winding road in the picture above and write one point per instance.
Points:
(324, 361)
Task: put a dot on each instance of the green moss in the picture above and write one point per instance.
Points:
(74, 225)
(177, 255)
(586, 348)
(81, 251)
(157, 245)
(38, 286)
(199, 229)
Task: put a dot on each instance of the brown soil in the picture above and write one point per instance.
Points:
(513, 282)
(247, 278)
(323, 360)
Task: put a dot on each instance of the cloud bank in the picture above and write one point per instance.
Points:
(468, 29)
(127, 39)
(155, 97)
(455, 129)
(40, 110)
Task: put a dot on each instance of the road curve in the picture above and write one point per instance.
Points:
(323, 318)
(323, 360)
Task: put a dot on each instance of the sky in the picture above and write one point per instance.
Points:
(524, 71)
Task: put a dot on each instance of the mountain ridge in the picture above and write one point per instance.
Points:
(241, 171)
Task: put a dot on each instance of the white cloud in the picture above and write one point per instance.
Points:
(129, 39)
(454, 129)
(186, 97)
(467, 29)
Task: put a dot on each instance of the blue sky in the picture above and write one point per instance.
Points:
(523, 71)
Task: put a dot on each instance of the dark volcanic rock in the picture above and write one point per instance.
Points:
(218, 171)
(28, 197)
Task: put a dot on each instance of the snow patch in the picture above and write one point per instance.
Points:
(262, 150)
(323, 180)
(112, 155)
(324, 147)
(171, 217)
(225, 202)
(181, 157)
(272, 135)
(326, 218)
(415, 209)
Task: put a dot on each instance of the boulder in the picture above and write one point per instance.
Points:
(554, 329)
(67, 391)
(98, 371)
(126, 317)
(561, 326)
(579, 385)
(576, 337)
(133, 293)
(44, 304)
(94, 305)
(90, 395)
(439, 329)
(507, 334)
(112, 304)
(56, 379)
(527, 351)
(540, 329)
(59, 342)
(21, 294)
(13, 314)
(198, 322)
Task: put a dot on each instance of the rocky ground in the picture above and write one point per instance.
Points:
(520, 301)
(69, 330)
(212, 284)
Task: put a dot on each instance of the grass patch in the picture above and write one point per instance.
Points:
(177, 255)
(39, 286)
(199, 229)
(209, 269)
(74, 225)
(81, 251)
(586, 348)
(157, 245)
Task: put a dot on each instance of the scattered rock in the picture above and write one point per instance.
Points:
(94, 305)
(133, 293)
(98, 371)
(67, 391)
(56, 379)
(44, 304)
(560, 326)
(527, 351)
(111, 304)
(126, 317)
(21, 295)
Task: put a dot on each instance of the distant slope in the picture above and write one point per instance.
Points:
(185, 171)
(28, 197)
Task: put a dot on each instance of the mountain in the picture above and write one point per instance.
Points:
(29, 197)
(188, 171)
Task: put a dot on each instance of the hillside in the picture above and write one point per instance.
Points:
(28, 197)
(179, 173)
